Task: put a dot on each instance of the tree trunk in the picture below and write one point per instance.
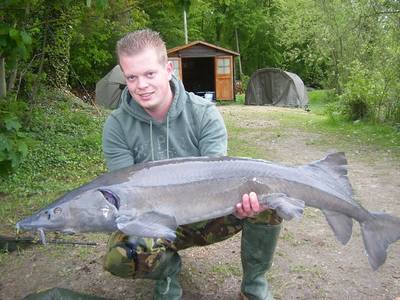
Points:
(185, 25)
(218, 30)
(238, 51)
(13, 77)
(38, 79)
(59, 34)
(3, 85)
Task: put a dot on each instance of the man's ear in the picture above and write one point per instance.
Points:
(170, 69)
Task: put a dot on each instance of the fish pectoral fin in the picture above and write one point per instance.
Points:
(341, 225)
(286, 207)
(150, 224)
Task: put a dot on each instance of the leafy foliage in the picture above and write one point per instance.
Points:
(351, 46)
(13, 140)
(92, 51)
(15, 41)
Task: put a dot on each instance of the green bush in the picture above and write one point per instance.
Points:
(370, 94)
(13, 141)
(240, 98)
(358, 93)
(245, 82)
(392, 103)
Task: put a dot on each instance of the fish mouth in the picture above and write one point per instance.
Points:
(35, 222)
(24, 225)
(111, 197)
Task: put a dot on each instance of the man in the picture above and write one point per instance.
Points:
(158, 119)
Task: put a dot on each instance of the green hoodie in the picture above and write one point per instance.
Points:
(193, 127)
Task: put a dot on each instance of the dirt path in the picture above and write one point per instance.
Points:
(309, 263)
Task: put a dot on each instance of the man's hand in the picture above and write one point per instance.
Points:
(249, 207)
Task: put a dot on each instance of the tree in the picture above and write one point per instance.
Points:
(15, 41)
(301, 41)
(164, 17)
(93, 42)
(59, 21)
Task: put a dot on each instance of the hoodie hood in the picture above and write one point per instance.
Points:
(129, 104)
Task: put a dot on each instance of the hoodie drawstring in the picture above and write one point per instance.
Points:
(151, 138)
(168, 135)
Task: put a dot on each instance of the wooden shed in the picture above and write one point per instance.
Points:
(205, 69)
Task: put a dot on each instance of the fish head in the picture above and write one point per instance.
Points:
(94, 210)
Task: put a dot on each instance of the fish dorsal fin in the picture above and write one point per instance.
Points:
(335, 165)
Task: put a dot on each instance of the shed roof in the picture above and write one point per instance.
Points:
(180, 48)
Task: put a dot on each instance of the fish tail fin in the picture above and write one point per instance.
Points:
(334, 164)
(378, 233)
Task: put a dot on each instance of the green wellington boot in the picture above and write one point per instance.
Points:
(257, 250)
(168, 288)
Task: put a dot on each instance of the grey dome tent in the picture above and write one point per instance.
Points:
(276, 87)
(110, 87)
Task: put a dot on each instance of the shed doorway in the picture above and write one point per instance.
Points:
(198, 75)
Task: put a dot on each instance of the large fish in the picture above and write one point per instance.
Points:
(152, 199)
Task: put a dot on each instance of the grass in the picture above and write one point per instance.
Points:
(238, 144)
(338, 131)
(303, 269)
(318, 100)
(226, 270)
(363, 133)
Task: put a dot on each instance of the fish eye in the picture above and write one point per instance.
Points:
(57, 210)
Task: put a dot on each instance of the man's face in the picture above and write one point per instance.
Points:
(147, 79)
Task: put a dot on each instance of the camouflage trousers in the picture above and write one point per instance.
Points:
(136, 257)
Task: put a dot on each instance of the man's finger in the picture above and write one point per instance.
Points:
(239, 213)
(239, 208)
(255, 205)
(246, 203)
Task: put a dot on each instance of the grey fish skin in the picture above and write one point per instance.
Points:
(152, 199)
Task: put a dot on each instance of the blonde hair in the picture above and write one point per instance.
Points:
(137, 41)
